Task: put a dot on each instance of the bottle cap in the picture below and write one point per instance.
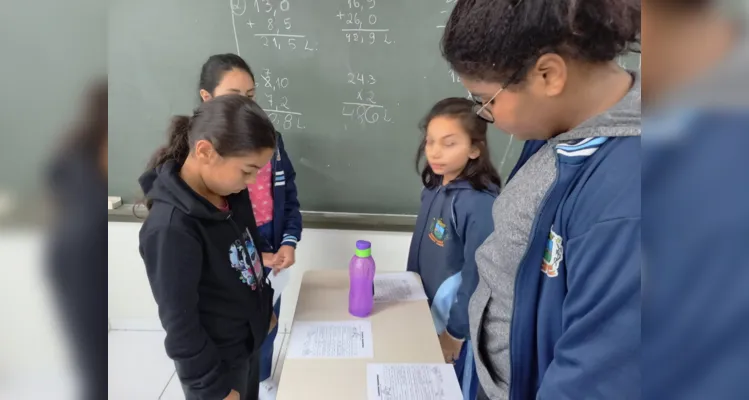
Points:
(363, 249)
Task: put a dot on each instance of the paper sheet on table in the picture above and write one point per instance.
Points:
(412, 382)
(343, 339)
(279, 282)
(401, 286)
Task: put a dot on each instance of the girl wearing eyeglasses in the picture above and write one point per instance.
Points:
(460, 185)
(556, 312)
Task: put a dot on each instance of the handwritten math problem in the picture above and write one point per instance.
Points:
(371, 98)
(279, 111)
(361, 23)
(271, 23)
(364, 109)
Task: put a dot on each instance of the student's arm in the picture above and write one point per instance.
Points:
(292, 226)
(477, 226)
(173, 261)
(598, 354)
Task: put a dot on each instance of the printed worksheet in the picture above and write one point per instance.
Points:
(412, 382)
(335, 339)
(401, 286)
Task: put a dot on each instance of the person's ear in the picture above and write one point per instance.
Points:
(550, 74)
(205, 95)
(475, 152)
(204, 151)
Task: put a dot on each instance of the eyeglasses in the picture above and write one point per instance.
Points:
(481, 109)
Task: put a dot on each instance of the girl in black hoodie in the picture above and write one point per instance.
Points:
(198, 245)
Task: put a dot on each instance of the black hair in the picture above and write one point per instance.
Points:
(215, 68)
(501, 40)
(234, 124)
(480, 173)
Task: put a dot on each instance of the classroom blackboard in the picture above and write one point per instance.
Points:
(345, 81)
(51, 52)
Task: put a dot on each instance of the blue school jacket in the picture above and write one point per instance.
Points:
(453, 222)
(695, 237)
(287, 219)
(594, 208)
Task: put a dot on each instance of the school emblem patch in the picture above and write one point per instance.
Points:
(438, 232)
(553, 255)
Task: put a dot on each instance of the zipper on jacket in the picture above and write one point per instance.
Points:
(534, 227)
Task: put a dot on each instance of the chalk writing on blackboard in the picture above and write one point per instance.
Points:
(272, 25)
(278, 110)
(360, 23)
(364, 108)
(444, 13)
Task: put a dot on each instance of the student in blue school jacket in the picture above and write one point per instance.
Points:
(460, 185)
(274, 195)
(556, 312)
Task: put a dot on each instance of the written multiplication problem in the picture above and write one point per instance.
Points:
(360, 23)
(278, 110)
(364, 108)
(272, 25)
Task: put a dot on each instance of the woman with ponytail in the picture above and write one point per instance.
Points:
(199, 247)
(273, 196)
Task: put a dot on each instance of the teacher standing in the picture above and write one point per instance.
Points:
(556, 314)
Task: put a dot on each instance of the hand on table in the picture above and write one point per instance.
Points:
(450, 347)
(233, 395)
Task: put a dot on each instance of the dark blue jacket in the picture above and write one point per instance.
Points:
(695, 238)
(586, 301)
(453, 222)
(287, 219)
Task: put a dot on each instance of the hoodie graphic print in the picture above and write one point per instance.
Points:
(242, 258)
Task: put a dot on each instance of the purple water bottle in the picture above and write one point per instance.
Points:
(361, 271)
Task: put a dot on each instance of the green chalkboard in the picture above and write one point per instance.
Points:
(50, 51)
(345, 81)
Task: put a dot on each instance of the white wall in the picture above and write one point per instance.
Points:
(32, 341)
(131, 304)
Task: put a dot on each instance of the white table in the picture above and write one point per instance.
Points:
(402, 333)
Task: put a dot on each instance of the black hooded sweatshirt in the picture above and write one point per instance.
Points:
(216, 310)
